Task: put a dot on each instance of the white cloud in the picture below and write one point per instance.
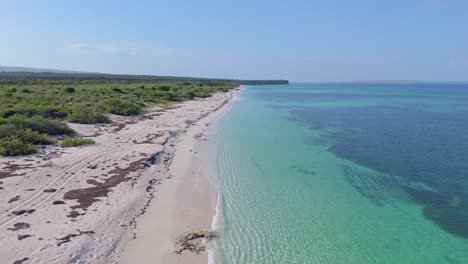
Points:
(131, 49)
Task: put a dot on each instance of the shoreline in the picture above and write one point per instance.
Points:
(194, 194)
(85, 204)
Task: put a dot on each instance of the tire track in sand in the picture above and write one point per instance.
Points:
(40, 197)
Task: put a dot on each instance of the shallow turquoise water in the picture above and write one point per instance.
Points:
(345, 174)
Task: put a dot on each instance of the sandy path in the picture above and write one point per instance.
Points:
(78, 205)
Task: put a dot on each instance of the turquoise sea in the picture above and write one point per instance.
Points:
(345, 173)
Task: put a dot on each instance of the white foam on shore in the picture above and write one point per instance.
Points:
(217, 217)
(211, 256)
(215, 226)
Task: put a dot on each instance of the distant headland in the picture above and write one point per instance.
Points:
(23, 73)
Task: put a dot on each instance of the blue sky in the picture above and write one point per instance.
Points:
(297, 40)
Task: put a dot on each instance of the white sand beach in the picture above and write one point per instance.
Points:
(125, 199)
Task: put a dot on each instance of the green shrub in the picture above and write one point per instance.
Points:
(75, 142)
(28, 136)
(188, 95)
(87, 115)
(118, 90)
(165, 95)
(34, 137)
(70, 90)
(164, 88)
(120, 107)
(15, 147)
(47, 111)
(38, 124)
(202, 94)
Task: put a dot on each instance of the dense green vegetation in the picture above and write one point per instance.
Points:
(14, 147)
(76, 141)
(87, 115)
(32, 110)
(27, 135)
(19, 133)
(120, 107)
(56, 99)
(38, 124)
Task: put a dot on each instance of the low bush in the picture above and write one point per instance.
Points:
(87, 115)
(165, 95)
(202, 94)
(47, 111)
(118, 90)
(38, 124)
(75, 142)
(120, 107)
(188, 95)
(163, 88)
(70, 90)
(9, 131)
(15, 147)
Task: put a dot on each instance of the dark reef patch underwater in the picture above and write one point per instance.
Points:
(424, 153)
(427, 151)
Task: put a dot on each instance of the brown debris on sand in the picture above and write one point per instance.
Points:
(52, 155)
(14, 199)
(20, 261)
(18, 226)
(68, 237)
(92, 166)
(119, 127)
(21, 237)
(194, 242)
(87, 196)
(10, 170)
(74, 214)
(22, 211)
(150, 138)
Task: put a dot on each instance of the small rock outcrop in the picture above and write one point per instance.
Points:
(194, 241)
